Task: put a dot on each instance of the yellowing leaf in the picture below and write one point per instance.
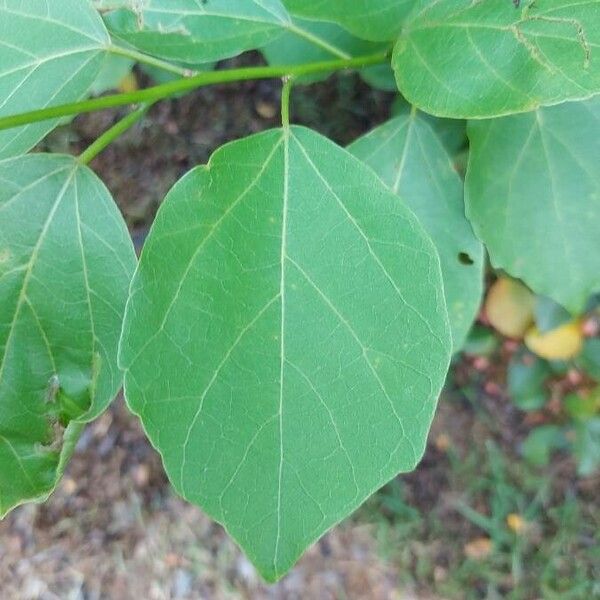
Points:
(510, 307)
(515, 522)
(129, 83)
(479, 548)
(562, 343)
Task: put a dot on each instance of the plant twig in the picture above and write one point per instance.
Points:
(173, 88)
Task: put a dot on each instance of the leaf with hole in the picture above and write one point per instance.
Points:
(66, 261)
(533, 196)
(465, 59)
(286, 339)
(50, 53)
(411, 160)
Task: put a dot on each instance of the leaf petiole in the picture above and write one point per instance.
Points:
(112, 134)
(288, 82)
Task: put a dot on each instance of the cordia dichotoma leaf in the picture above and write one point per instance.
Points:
(533, 197)
(466, 59)
(377, 20)
(285, 340)
(50, 53)
(305, 41)
(66, 261)
(411, 160)
(195, 31)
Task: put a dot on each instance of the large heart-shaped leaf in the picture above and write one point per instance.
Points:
(377, 20)
(197, 32)
(286, 339)
(410, 158)
(533, 196)
(65, 264)
(466, 59)
(50, 53)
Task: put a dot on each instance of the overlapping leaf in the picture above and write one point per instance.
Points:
(378, 20)
(465, 59)
(305, 41)
(411, 160)
(50, 53)
(65, 264)
(286, 339)
(195, 31)
(533, 196)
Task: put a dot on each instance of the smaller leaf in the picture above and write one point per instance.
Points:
(532, 194)
(516, 523)
(549, 314)
(540, 443)
(509, 307)
(478, 548)
(377, 20)
(589, 360)
(197, 32)
(305, 41)
(66, 260)
(563, 343)
(526, 378)
(587, 446)
(411, 160)
(50, 53)
(581, 406)
(481, 341)
(114, 70)
(478, 59)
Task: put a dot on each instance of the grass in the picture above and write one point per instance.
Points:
(498, 529)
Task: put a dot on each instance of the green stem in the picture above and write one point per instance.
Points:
(173, 88)
(285, 101)
(112, 134)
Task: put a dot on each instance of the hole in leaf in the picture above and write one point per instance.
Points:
(465, 259)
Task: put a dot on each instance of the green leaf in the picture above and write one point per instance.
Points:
(538, 446)
(465, 59)
(526, 378)
(114, 70)
(582, 406)
(481, 341)
(587, 446)
(549, 314)
(306, 41)
(533, 196)
(286, 339)
(65, 264)
(411, 160)
(51, 52)
(377, 20)
(589, 360)
(198, 32)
